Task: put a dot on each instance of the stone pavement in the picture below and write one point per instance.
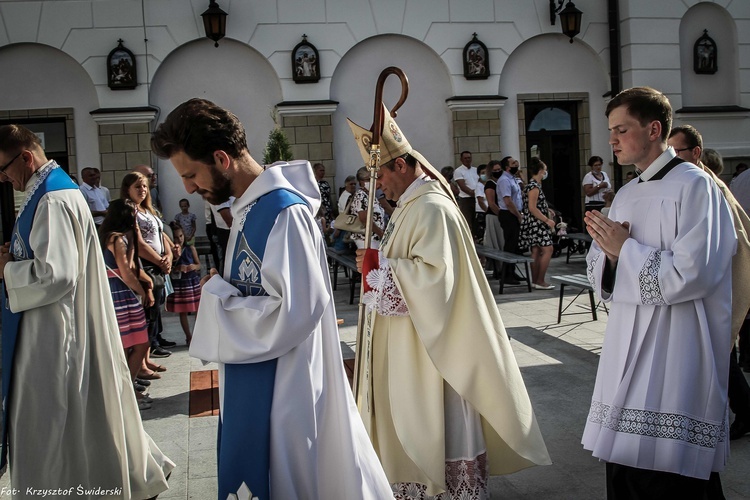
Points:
(558, 363)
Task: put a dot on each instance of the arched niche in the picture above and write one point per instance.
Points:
(38, 77)
(424, 118)
(722, 87)
(552, 68)
(233, 76)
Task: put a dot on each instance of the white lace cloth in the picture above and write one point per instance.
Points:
(385, 296)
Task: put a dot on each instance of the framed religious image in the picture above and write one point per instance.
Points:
(476, 60)
(305, 62)
(704, 55)
(121, 68)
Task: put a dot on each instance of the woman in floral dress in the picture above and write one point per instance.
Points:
(537, 225)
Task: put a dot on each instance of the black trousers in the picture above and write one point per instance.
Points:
(466, 206)
(738, 390)
(511, 228)
(744, 343)
(630, 483)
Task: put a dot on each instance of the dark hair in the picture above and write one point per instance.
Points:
(463, 153)
(595, 159)
(481, 167)
(174, 226)
(409, 159)
(713, 160)
(536, 165)
(505, 162)
(199, 127)
(185, 200)
(14, 138)
(645, 105)
(492, 163)
(120, 219)
(693, 138)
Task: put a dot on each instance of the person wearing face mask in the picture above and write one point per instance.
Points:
(481, 203)
(493, 231)
(510, 203)
(537, 225)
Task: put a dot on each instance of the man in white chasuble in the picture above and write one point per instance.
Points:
(288, 426)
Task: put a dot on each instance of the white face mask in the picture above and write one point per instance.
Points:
(546, 173)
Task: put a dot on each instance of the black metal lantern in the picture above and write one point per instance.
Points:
(215, 22)
(570, 17)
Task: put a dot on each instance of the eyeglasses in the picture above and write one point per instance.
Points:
(683, 149)
(2, 170)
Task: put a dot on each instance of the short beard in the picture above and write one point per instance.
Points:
(221, 188)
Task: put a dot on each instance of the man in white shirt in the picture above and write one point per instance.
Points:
(96, 196)
(466, 177)
(510, 203)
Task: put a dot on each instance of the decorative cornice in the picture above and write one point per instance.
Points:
(713, 112)
(475, 102)
(306, 108)
(107, 116)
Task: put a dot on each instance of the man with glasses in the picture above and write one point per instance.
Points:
(64, 371)
(688, 144)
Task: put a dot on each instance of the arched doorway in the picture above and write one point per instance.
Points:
(552, 135)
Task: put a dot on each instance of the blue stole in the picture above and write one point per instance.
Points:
(244, 440)
(56, 180)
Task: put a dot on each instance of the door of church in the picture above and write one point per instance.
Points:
(552, 134)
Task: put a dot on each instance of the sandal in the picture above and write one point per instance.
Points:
(149, 376)
(160, 368)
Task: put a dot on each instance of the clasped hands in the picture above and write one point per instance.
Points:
(608, 234)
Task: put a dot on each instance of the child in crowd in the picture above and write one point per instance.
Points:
(127, 282)
(186, 220)
(185, 280)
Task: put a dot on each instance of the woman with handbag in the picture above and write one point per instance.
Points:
(155, 250)
(129, 295)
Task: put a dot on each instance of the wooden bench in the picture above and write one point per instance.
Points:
(580, 281)
(573, 246)
(506, 259)
(349, 263)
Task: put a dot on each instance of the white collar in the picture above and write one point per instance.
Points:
(409, 193)
(657, 164)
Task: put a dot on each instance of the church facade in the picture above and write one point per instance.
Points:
(494, 77)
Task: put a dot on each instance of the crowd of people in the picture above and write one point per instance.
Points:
(670, 254)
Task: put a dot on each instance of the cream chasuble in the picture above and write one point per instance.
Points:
(452, 335)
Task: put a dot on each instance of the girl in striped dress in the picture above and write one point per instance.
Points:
(125, 281)
(185, 280)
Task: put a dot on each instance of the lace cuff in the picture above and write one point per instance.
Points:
(384, 295)
(649, 281)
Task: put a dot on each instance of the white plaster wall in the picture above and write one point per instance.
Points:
(424, 118)
(550, 64)
(721, 88)
(36, 77)
(236, 77)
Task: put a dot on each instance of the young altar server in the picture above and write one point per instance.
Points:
(289, 427)
(662, 259)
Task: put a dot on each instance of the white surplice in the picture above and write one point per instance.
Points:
(319, 446)
(73, 416)
(660, 399)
